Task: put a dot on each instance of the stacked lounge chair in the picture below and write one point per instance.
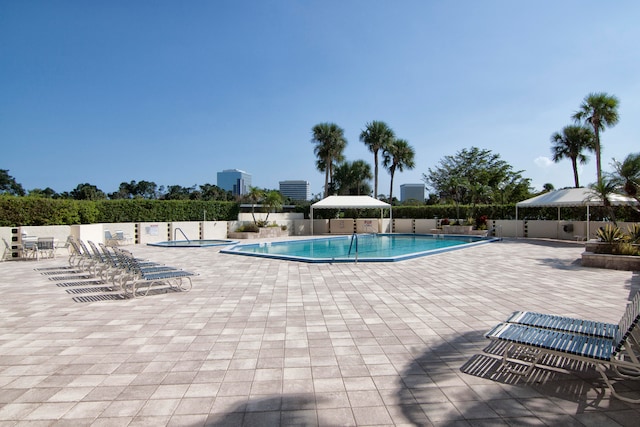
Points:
(532, 336)
(129, 275)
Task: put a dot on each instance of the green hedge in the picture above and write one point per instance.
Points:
(508, 211)
(16, 211)
(23, 211)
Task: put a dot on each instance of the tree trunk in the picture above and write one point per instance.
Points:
(574, 163)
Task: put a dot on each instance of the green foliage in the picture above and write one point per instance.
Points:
(476, 176)
(610, 234)
(248, 228)
(352, 178)
(8, 184)
(625, 249)
(633, 234)
(22, 211)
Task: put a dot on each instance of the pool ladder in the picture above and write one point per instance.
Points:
(175, 232)
(354, 238)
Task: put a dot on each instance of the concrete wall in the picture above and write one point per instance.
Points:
(278, 218)
(403, 225)
(178, 230)
(341, 226)
(424, 226)
(368, 225)
(214, 230)
(151, 232)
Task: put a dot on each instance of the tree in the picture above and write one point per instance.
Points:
(177, 192)
(255, 196)
(603, 189)
(272, 202)
(627, 175)
(598, 110)
(397, 156)
(548, 187)
(477, 176)
(47, 193)
(352, 178)
(330, 144)
(8, 184)
(376, 136)
(570, 144)
(87, 191)
(213, 192)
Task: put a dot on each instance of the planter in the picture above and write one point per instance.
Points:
(611, 262)
(457, 229)
(265, 232)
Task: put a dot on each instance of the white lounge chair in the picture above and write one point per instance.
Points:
(529, 345)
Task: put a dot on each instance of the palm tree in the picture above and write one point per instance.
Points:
(376, 136)
(397, 156)
(330, 143)
(570, 144)
(272, 202)
(628, 174)
(255, 195)
(603, 189)
(599, 110)
(351, 178)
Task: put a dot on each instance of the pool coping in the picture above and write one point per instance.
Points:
(480, 240)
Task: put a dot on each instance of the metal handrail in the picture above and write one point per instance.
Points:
(354, 236)
(181, 232)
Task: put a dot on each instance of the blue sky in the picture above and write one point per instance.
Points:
(173, 92)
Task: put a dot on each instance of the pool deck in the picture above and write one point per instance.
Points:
(261, 342)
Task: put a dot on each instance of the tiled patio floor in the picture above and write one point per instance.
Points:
(261, 342)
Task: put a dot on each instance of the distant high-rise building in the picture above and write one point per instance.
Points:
(296, 190)
(234, 180)
(412, 191)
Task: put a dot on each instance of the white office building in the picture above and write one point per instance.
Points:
(296, 190)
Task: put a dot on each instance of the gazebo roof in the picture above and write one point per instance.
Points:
(573, 197)
(346, 202)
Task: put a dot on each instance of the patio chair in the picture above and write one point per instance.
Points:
(529, 345)
(7, 255)
(45, 248)
(117, 239)
(140, 278)
(562, 323)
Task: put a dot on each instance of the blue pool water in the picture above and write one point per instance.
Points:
(192, 243)
(371, 247)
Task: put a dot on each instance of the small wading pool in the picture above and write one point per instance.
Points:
(192, 243)
(370, 247)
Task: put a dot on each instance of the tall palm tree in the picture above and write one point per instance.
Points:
(570, 144)
(599, 110)
(397, 156)
(376, 136)
(330, 144)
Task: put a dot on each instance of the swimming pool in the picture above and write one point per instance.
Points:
(370, 247)
(192, 243)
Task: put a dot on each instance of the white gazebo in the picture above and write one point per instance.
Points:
(350, 202)
(571, 198)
